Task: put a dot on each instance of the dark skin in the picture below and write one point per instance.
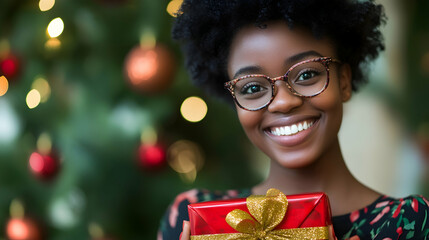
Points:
(310, 160)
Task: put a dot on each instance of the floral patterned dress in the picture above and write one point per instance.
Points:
(386, 218)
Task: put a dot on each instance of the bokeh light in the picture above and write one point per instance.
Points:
(149, 136)
(4, 48)
(4, 85)
(10, 126)
(55, 27)
(36, 162)
(17, 229)
(150, 69)
(148, 39)
(42, 85)
(22, 229)
(53, 44)
(46, 5)
(10, 66)
(142, 66)
(186, 158)
(189, 177)
(17, 209)
(66, 210)
(95, 230)
(128, 119)
(44, 144)
(44, 166)
(173, 7)
(33, 98)
(151, 156)
(193, 109)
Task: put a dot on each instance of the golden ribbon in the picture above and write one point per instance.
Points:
(269, 212)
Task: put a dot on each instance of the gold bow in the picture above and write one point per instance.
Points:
(269, 212)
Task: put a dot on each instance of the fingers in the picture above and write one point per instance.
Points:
(331, 233)
(186, 232)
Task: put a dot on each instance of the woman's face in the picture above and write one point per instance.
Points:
(272, 51)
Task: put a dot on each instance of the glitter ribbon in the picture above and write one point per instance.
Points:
(266, 212)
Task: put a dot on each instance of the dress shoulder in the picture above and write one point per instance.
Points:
(386, 218)
(170, 226)
(409, 217)
(403, 218)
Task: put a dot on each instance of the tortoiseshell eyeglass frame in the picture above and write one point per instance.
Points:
(230, 85)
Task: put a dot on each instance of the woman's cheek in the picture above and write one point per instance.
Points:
(328, 101)
(248, 119)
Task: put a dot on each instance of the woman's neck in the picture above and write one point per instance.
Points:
(328, 174)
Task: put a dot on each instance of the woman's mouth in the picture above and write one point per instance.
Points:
(292, 129)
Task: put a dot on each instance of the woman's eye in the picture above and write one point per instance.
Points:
(251, 89)
(307, 75)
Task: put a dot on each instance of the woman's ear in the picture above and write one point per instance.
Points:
(345, 75)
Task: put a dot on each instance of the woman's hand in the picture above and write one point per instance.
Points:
(186, 232)
(331, 233)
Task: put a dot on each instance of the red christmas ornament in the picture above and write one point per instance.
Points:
(9, 66)
(151, 156)
(150, 69)
(22, 229)
(44, 166)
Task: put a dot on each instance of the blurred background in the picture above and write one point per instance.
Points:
(100, 127)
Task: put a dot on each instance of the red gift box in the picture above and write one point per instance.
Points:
(303, 216)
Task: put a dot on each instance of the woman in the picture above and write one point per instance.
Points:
(289, 66)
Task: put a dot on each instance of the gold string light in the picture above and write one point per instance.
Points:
(33, 99)
(193, 109)
(55, 27)
(46, 5)
(4, 85)
(52, 44)
(42, 86)
(173, 7)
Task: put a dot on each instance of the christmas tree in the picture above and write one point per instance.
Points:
(99, 125)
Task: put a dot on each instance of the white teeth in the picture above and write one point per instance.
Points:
(288, 130)
(305, 126)
(293, 129)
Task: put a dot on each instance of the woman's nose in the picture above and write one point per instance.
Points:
(284, 100)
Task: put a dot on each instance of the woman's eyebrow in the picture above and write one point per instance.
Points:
(247, 70)
(290, 61)
(301, 56)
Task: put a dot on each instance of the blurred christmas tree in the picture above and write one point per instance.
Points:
(94, 141)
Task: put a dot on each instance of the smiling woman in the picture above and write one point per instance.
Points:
(289, 67)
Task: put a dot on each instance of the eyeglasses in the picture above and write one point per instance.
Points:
(305, 79)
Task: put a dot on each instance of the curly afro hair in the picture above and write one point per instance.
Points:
(206, 29)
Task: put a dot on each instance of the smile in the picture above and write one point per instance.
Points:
(292, 129)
